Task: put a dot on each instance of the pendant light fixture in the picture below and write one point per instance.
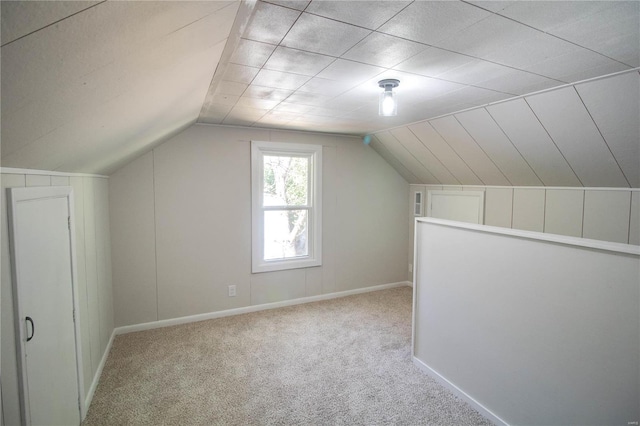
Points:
(388, 106)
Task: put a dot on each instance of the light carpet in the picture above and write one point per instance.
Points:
(345, 361)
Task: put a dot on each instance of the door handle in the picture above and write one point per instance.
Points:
(33, 328)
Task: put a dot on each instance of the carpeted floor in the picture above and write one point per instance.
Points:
(338, 362)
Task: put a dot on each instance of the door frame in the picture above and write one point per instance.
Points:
(15, 196)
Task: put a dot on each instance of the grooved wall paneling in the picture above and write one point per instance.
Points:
(134, 279)
(606, 215)
(498, 205)
(528, 209)
(563, 212)
(634, 220)
(92, 262)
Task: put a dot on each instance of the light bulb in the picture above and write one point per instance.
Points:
(388, 104)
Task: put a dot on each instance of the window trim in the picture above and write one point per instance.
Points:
(314, 202)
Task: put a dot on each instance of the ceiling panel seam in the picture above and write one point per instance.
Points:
(512, 144)
(53, 23)
(400, 160)
(382, 146)
(456, 152)
(434, 155)
(417, 159)
(554, 142)
(411, 154)
(602, 135)
(482, 149)
(546, 32)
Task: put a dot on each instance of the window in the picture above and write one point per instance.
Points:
(286, 206)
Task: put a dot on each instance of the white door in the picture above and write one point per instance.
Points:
(42, 242)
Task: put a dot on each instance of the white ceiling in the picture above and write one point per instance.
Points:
(87, 86)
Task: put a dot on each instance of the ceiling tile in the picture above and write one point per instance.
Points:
(293, 108)
(251, 53)
(383, 50)
(569, 124)
(613, 31)
(320, 35)
(224, 99)
(368, 14)
(518, 82)
(550, 14)
(431, 21)
(279, 79)
(524, 130)
(575, 65)
(326, 87)
(240, 73)
(243, 116)
(433, 62)
(297, 61)
(269, 23)
(613, 104)
(293, 4)
(487, 35)
(256, 103)
(306, 98)
(214, 113)
(267, 93)
(344, 70)
(475, 71)
(230, 88)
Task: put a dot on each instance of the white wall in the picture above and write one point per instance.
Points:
(546, 333)
(93, 253)
(181, 225)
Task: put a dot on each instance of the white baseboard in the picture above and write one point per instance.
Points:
(459, 392)
(255, 308)
(96, 376)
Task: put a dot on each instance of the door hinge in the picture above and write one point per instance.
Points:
(74, 315)
(69, 222)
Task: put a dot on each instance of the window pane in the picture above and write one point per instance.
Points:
(286, 234)
(285, 180)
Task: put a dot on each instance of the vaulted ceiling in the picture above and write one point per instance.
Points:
(87, 86)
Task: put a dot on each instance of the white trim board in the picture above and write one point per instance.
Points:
(482, 187)
(532, 235)
(255, 308)
(14, 171)
(96, 376)
(495, 419)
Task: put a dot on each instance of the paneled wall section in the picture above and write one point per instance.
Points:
(181, 230)
(608, 214)
(93, 256)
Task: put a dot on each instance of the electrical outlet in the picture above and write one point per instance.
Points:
(232, 291)
(411, 267)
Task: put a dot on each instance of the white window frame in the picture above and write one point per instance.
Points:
(314, 205)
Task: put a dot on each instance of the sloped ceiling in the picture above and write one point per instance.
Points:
(586, 134)
(87, 86)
